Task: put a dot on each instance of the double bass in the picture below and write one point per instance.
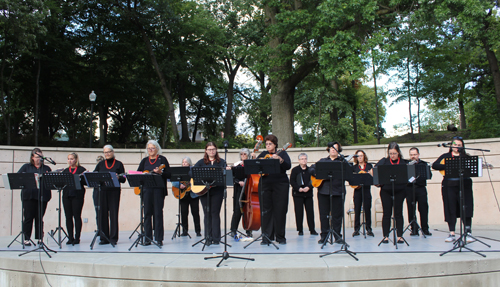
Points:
(249, 198)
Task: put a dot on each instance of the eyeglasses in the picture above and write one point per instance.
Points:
(269, 144)
(108, 152)
(151, 148)
(211, 149)
(393, 153)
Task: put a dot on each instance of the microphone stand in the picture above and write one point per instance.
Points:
(225, 255)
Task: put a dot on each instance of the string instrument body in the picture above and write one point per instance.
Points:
(249, 198)
(137, 190)
(179, 193)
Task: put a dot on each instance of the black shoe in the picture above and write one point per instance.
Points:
(339, 241)
(355, 233)
(249, 233)
(146, 243)
(401, 240)
(414, 233)
(314, 232)
(265, 242)
(370, 233)
(232, 234)
(160, 242)
(282, 242)
(322, 240)
(301, 233)
(385, 240)
(427, 233)
(76, 241)
(198, 234)
(184, 233)
(104, 242)
(27, 243)
(70, 241)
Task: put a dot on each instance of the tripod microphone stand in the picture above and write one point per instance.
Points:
(331, 170)
(179, 174)
(225, 255)
(464, 167)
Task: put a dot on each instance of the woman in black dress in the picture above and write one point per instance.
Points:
(361, 165)
(109, 197)
(212, 200)
(302, 192)
(239, 184)
(73, 200)
(154, 197)
(33, 208)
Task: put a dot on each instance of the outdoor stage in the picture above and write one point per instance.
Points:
(297, 263)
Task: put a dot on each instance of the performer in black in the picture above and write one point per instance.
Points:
(275, 194)
(154, 198)
(31, 198)
(420, 198)
(192, 200)
(450, 188)
(334, 149)
(361, 165)
(73, 200)
(110, 196)
(302, 192)
(394, 157)
(212, 209)
(239, 183)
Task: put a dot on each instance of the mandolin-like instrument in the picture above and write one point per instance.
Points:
(137, 190)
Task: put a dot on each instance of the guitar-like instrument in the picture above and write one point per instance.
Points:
(199, 189)
(317, 182)
(249, 197)
(179, 193)
(137, 190)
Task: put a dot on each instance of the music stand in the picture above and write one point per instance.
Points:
(261, 167)
(362, 180)
(208, 176)
(141, 181)
(330, 170)
(463, 166)
(41, 245)
(422, 172)
(179, 174)
(99, 180)
(225, 255)
(393, 174)
(20, 181)
(59, 181)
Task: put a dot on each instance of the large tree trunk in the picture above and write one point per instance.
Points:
(229, 111)
(181, 91)
(196, 121)
(103, 125)
(283, 112)
(37, 97)
(163, 83)
(495, 73)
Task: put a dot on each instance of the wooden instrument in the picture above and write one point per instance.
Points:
(137, 190)
(249, 198)
(317, 182)
(357, 186)
(199, 189)
(179, 193)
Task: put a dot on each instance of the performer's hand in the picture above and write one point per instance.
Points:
(306, 189)
(157, 170)
(242, 183)
(253, 155)
(182, 186)
(228, 167)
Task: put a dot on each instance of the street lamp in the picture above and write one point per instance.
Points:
(92, 97)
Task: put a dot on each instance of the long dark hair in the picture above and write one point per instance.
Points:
(394, 145)
(364, 156)
(35, 150)
(460, 150)
(206, 160)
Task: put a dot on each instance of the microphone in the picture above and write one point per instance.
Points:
(226, 144)
(444, 145)
(46, 158)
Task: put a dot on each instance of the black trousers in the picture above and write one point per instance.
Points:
(235, 220)
(186, 202)
(154, 200)
(299, 203)
(212, 203)
(31, 212)
(73, 212)
(110, 205)
(422, 205)
(386, 198)
(335, 211)
(454, 206)
(274, 205)
(367, 207)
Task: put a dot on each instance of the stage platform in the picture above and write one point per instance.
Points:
(297, 263)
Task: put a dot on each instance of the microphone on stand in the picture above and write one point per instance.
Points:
(444, 145)
(46, 158)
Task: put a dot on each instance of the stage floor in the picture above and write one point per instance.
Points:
(298, 263)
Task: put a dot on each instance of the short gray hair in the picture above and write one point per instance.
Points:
(156, 144)
(245, 150)
(108, 146)
(302, 154)
(188, 160)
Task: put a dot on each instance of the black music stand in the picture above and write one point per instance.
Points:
(208, 176)
(20, 181)
(393, 174)
(362, 180)
(460, 167)
(330, 170)
(99, 180)
(225, 255)
(41, 245)
(261, 167)
(141, 181)
(179, 174)
(422, 172)
(59, 181)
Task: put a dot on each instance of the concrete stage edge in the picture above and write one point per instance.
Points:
(417, 265)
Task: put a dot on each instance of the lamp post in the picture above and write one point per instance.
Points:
(92, 97)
